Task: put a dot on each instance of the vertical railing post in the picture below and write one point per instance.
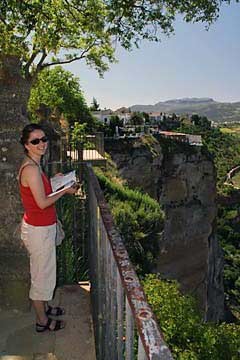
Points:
(100, 287)
(93, 265)
(70, 149)
(141, 352)
(63, 149)
(129, 347)
(103, 292)
(80, 160)
(107, 309)
(100, 143)
(120, 317)
(113, 294)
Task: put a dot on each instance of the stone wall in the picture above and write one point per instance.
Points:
(14, 268)
(182, 179)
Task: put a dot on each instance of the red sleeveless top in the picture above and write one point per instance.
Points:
(33, 214)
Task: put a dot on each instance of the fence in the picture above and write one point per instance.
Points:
(72, 254)
(88, 149)
(125, 327)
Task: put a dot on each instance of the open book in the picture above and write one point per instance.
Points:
(59, 183)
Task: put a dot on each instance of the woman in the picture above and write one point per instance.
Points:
(39, 226)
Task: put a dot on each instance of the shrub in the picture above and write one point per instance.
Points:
(185, 333)
(139, 219)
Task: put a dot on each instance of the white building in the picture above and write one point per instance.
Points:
(124, 114)
(155, 117)
(105, 115)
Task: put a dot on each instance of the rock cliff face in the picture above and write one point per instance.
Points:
(182, 179)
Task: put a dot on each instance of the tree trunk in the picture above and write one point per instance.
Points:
(14, 94)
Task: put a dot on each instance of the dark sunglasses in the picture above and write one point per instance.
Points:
(37, 141)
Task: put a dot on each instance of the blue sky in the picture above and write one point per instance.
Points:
(192, 63)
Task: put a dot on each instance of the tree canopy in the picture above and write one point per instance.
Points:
(60, 92)
(95, 106)
(43, 33)
(137, 118)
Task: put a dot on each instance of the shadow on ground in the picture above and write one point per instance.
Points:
(19, 340)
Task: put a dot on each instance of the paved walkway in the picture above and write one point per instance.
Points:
(92, 156)
(87, 155)
(20, 341)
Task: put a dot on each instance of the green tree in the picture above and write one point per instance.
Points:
(137, 118)
(79, 138)
(114, 121)
(58, 90)
(201, 122)
(146, 117)
(36, 34)
(78, 135)
(43, 33)
(95, 105)
(35, 27)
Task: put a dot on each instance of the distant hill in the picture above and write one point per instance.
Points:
(215, 111)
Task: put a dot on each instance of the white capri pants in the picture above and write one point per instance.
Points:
(40, 244)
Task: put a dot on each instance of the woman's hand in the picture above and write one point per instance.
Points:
(73, 189)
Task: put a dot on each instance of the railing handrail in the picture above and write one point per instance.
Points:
(148, 329)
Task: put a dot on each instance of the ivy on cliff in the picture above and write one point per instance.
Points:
(139, 219)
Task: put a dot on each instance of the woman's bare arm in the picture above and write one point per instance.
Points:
(31, 177)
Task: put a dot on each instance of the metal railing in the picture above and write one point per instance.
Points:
(125, 326)
(88, 148)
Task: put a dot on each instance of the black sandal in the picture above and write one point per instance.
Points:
(58, 326)
(55, 311)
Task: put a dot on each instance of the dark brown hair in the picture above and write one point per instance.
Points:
(27, 131)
